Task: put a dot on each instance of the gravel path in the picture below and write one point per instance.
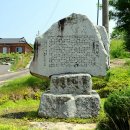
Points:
(117, 63)
(61, 126)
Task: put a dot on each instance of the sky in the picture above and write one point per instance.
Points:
(24, 18)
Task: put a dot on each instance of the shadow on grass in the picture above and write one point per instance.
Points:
(21, 115)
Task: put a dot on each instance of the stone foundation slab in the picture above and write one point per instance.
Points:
(69, 106)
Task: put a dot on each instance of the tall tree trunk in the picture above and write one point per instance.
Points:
(105, 14)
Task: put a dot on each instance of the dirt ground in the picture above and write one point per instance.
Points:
(61, 126)
(117, 63)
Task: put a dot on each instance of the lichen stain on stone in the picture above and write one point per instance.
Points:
(62, 83)
(61, 24)
(36, 48)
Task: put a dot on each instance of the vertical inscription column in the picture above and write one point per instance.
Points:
(45, 54)
(72, 51)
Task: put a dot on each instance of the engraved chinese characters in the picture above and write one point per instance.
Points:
(72, 51)
(72, 45)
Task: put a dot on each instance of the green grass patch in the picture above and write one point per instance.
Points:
(24, 111)
(21, 61)
(117, 109)
(116, 78)
(117, 49)
(19, 112)
(17, 61)
(22, 83)
(23, 88)
(20, 98)
(16, 115)
(12, 127)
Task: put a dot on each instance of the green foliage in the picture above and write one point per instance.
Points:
(7, 58)
(116, 78)
(127, 40)
(21, 61)
(127, 63)
(104, 124)
(23, 88)
(19, 99)
(117, 107)
(16, 115)
(17, 61)
(117, 34)
(121, 13)
(21, 112)
(11, 127)
(117, 49)
(3, 98)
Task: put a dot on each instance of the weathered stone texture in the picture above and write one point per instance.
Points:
(69, 52)
(71, 84)
(104, 37)
(72, 45)
(106, 42)
(68, 105)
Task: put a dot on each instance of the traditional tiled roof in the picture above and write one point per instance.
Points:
(12, 40)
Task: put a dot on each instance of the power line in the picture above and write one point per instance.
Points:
(52, 14)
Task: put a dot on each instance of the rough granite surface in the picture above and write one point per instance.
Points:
(69, 105)
(69, 52)
(71, 45)
(71, 84)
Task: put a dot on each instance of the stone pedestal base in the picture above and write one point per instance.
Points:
(69, 105)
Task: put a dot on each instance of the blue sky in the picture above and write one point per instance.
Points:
(23, 18)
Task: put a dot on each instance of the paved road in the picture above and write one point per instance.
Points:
(6, 75)
(4, 69)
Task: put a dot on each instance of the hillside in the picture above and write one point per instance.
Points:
(19, 99)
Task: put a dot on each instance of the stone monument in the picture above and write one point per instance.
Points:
(70, 52)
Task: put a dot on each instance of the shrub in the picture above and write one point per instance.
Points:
(27, 87)
(127, 63)
(116, 79)
(117, 109)
(117, 49)
(112, 86)
(117, 105)
(3, 99)
(99, 83)
(17, 61)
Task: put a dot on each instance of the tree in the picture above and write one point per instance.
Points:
(105, 15)
(121, 13)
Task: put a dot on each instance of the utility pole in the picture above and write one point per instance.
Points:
(105, 14)
(97, 12)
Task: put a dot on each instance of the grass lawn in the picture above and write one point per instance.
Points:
(20, 98)
(13, 115)
(19, 114)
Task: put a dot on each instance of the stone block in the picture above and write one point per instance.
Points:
(71, 45)
(69, 106)
(71, 84)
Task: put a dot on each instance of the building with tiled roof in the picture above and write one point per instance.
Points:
(10, 45)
